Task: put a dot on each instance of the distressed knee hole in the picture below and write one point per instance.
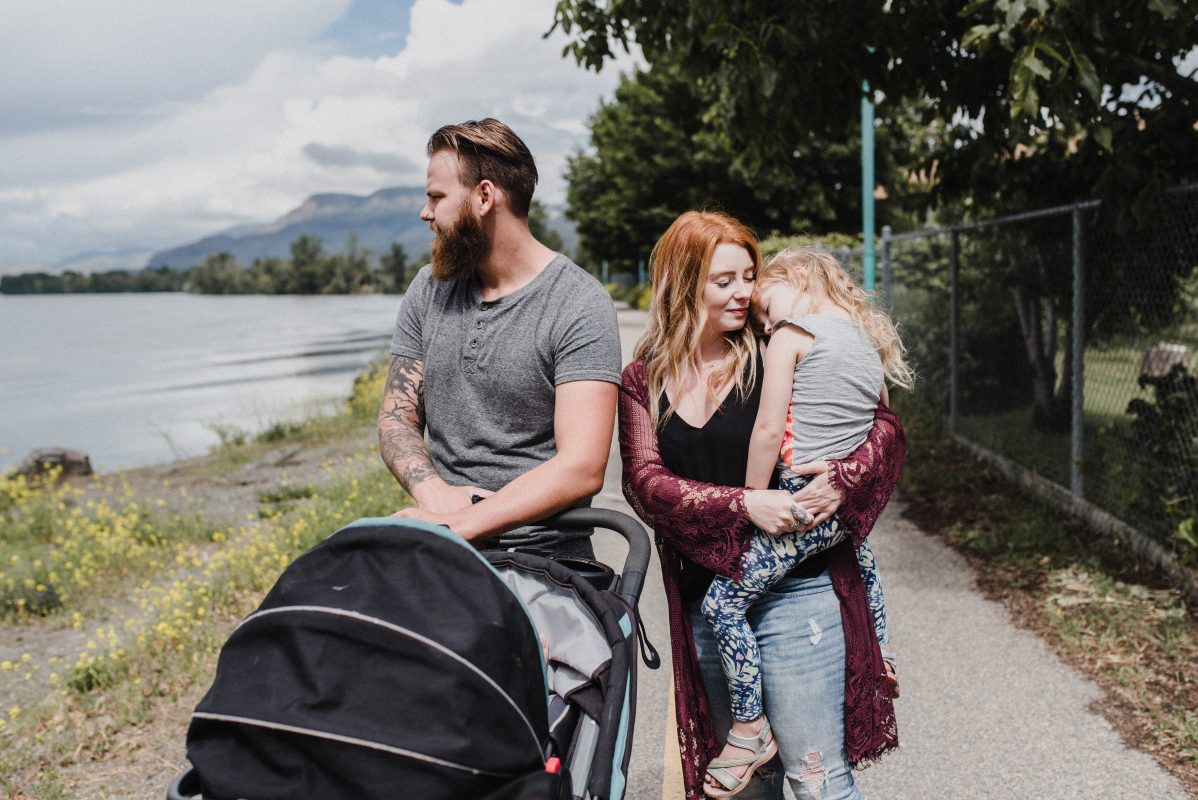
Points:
(814, 777)
(817, 633)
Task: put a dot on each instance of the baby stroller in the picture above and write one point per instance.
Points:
(393, 660)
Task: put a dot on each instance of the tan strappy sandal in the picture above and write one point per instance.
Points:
(762, 746)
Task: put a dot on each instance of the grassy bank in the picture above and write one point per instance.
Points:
(118, 601)
(1111, 619)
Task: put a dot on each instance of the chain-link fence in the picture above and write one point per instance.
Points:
(991, 313)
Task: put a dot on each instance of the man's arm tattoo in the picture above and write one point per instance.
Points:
(401, 423)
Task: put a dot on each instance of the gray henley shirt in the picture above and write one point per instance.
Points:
(491, 369)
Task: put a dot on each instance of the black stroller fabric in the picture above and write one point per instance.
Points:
(389, 661)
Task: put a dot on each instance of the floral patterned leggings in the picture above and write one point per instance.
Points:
(768, 559)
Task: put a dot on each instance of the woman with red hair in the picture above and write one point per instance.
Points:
(687, 407)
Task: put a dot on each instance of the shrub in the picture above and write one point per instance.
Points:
(1165, 434)
(644, 296)
(363, 402)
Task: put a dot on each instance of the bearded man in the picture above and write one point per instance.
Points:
(505, 352)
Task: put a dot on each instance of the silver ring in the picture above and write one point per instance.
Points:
(799, 513)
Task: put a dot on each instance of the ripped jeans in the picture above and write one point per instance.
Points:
(798, 630)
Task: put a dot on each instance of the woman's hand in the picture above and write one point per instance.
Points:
(769, 509)
(820, 498)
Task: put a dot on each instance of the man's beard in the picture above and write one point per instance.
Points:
(458, 251)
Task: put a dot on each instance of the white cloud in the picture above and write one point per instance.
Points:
(65, 60)
(242, 150)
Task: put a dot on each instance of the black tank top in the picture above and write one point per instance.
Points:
(716, 453)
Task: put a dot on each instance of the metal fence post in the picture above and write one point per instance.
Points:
(867, 187)
(954, 320)
(1078, 355)
(887, 268)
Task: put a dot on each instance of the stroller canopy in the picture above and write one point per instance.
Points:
(390, 655)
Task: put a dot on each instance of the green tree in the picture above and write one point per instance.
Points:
(110, 281)
(349, 271)
(312, 268)
(538, 225)
(653, 155)
(272, 275)
(393, 265)
(32, 283)
(76, 282)
(219, 273)
(1011, 104)
(1088, 95)
(157, 279)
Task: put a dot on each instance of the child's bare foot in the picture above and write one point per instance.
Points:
(750, 744)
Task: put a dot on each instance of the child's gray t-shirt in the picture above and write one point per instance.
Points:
(491, 369)
(835, 391)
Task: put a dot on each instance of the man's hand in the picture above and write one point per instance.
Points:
(583, 418)
(425, 516)
(438, 497)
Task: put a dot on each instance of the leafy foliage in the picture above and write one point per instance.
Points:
(311, 270)
(538, 226)
(1043, 99)
(159, 279)
(654, 155)
(1166, 432)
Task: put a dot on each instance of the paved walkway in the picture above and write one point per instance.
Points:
(987, 710)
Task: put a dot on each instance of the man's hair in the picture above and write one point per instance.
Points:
(489, 150)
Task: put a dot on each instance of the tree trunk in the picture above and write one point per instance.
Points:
(1038, 324)
(1031, 314)
(1062, 408)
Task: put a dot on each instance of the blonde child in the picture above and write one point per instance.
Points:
(826, 366)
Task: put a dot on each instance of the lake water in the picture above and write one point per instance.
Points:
(136, 379)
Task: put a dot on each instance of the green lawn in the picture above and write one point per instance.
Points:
(1109, 453)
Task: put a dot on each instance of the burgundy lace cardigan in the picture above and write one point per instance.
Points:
(709, 525)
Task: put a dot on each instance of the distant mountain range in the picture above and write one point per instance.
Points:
(389, 215)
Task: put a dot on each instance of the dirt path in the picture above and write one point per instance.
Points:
(233, 495)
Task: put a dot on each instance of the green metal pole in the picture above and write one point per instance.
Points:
(868, 256)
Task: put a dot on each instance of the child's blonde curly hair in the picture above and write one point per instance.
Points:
(825, 271)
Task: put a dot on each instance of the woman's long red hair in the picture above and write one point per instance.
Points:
(677, 315)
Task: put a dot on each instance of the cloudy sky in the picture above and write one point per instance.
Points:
(132, 125)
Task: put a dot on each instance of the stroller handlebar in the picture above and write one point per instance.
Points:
(636, 563)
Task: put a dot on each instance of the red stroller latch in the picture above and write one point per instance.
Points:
(553, 765)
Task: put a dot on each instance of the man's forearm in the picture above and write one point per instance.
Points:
(405, 454)
(401, 424)
(544, 490)
(584, 415)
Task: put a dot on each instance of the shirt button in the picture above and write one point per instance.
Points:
(478, 325)
(474, 343)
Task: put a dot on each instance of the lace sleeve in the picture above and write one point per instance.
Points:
(867, 477)
(706, 523)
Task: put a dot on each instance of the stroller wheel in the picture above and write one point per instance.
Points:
(185, 786)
